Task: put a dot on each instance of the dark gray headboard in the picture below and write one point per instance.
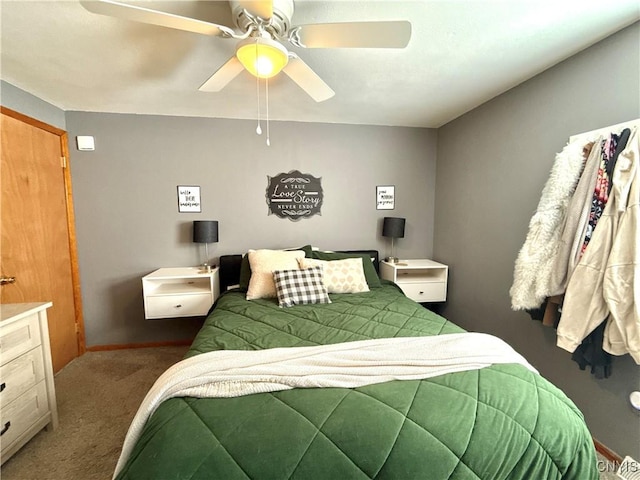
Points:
(230, 266)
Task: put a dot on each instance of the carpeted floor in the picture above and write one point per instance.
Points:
(98, 395)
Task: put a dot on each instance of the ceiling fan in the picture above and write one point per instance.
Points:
(261, 28)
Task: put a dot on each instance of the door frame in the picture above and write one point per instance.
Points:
(71, 224)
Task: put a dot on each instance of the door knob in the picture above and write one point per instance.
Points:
(6, 280)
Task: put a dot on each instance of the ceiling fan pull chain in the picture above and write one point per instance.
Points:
(258, 128)
(266, 83)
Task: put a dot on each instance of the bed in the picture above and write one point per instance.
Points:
(499, 422)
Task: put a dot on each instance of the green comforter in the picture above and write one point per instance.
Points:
(499, 422)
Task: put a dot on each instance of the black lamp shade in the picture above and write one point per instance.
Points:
(205, 231)
(393, 227)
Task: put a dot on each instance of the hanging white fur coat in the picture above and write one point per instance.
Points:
(535, 262)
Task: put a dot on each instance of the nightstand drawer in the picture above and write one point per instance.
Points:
(425, 292)
(19, 337)
(168, 306)
(19, 375)
(21, 414)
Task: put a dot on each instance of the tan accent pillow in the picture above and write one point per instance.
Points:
(263, 263)
(340, 276)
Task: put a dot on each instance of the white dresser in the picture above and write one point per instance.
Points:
(27, 392)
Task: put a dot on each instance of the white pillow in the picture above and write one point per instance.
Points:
(263, 263)
(340, 276)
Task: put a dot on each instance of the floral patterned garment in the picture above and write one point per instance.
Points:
(601, 192)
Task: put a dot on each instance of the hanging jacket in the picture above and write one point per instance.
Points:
(575, 224)
(604, 281)
(591, 351)
(601, 191)
(622, 274)
(535, 261)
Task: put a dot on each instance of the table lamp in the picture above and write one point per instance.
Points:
(205, 231)
(393, 227)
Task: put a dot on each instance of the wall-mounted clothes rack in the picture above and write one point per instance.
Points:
(585, 293)
(593, 134)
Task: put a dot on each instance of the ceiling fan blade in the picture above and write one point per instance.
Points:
(392, 34)
(307, 79)
(154, 17)
(258, 8)
(223, 76)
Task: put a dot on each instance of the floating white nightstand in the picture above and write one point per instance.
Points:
(421, 280)
(179, 292)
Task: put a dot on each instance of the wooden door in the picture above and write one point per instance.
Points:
(37, 245)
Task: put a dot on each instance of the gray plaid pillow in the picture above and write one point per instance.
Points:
(300, 287)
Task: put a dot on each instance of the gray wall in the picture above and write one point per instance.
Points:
(127, 218)
(16, 99)
(492, 165)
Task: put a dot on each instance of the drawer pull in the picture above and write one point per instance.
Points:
(178, 306)
(5, 428)
(3, 386)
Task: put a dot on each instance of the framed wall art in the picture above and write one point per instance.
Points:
(385, 197)
(189, 199)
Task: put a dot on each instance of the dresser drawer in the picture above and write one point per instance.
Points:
(19, 375)
(168, 306)
(18, 416)
(425, 292)
(19, 337)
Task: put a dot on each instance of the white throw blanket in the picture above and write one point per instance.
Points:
(233, 373)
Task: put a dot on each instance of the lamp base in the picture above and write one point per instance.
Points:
(392, 259)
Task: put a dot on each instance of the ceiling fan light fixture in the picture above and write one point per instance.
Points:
(262, 57)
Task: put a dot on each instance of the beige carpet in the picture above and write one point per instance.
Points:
(98, 395)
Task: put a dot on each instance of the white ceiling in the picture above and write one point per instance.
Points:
(461, 54)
